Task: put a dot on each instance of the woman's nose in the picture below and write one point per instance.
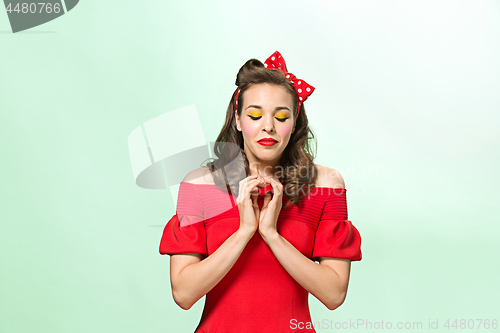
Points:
(268, 125)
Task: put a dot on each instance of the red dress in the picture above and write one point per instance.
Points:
(257, 294)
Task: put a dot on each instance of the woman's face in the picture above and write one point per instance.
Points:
(266, 113)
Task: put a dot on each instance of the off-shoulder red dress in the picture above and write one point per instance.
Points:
(258, 294)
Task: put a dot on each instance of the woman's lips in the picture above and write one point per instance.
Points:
(267, 142)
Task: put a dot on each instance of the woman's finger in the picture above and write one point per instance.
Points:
(256, 208)
(249, 187)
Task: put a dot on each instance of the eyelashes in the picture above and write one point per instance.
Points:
(279, 119)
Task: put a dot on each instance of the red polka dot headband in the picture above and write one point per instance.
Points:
(302, 88)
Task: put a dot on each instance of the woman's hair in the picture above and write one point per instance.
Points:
(298, 173)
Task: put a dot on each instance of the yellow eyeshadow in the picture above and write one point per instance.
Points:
(255, 114)
(282, 115)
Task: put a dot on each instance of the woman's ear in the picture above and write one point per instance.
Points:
(238, 125)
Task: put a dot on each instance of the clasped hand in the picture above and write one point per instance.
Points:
(253, 218)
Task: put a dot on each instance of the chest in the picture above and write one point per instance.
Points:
(297, 225)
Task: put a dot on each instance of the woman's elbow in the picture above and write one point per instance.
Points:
(181, 300)
(335, 302)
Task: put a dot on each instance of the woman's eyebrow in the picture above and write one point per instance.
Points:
(276, 109)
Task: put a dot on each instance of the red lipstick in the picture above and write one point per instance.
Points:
(267, 142)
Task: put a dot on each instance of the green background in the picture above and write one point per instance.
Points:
(406, 107)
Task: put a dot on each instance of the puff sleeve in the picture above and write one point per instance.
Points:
(185, 231)
(336, 236)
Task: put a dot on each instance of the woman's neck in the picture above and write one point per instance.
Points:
(272, 171)
(270, 168)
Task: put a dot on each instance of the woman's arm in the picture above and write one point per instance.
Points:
(327, 281)
(192, 278)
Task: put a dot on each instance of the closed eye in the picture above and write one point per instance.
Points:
(279, 119)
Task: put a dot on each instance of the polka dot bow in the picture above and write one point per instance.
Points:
(302, 88)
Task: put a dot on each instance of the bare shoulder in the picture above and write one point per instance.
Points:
(328, 177)
(201, 175)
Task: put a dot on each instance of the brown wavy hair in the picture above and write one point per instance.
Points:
(296, 156)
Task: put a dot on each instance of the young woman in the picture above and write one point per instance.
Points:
(247, 232)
